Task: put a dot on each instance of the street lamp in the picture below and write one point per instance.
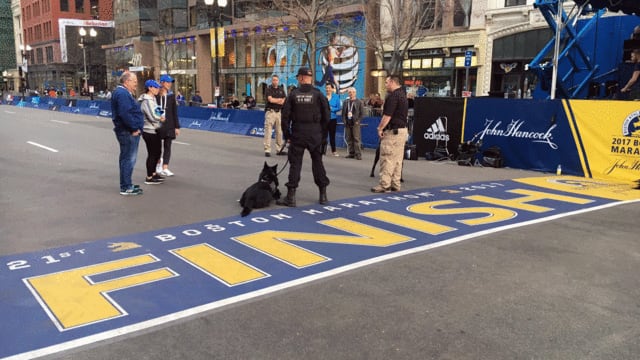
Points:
(218, 5)
(25, 68)
(83, 33)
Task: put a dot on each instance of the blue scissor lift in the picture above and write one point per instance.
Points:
(576, 69)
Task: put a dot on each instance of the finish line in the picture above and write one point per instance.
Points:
(59, 299)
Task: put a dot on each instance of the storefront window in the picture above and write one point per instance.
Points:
(264, 60)
(229, 60)
(241, 48)
(449, 62)
(177, 54)
(460, 61)
(185, 84)
(511, 83)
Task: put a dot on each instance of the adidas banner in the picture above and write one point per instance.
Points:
(437, 123)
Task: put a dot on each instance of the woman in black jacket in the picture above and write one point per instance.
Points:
(166, 99)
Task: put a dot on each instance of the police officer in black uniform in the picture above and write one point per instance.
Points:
(305, 120)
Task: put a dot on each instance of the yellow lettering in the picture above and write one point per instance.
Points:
(275, 243)
(427, 227)
(530, 196)
(218, 264)
(493, 214)
(74, 299)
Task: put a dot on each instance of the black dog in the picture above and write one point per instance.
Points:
(375, 162)
(262, 193)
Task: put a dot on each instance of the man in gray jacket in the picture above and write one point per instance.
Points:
(352, 114)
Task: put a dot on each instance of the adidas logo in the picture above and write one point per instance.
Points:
(437, 131)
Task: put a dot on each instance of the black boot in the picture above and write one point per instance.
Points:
(323, 195)
(290, 199)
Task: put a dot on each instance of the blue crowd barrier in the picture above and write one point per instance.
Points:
(19, 100)
(232, 121)
(231, 128)
(532, 134)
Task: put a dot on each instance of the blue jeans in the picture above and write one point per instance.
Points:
(128, 156)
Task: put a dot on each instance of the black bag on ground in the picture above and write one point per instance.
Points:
(437, 154)
(467, 153)
(493, 157)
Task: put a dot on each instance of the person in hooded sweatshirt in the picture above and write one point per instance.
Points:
(153, 120)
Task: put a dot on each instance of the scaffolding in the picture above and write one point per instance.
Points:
(578, 69)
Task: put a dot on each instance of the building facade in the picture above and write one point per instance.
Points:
(515, 34)
(254, 43)
(503, 36)
(436, 66)
(7, 41)
(176, 37)
(58, 54)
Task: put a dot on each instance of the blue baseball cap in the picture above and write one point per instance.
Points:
(166, 78)
(152, 83)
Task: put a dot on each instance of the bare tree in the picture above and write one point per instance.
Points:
(395, 26)
(167, 50)
(306, 16)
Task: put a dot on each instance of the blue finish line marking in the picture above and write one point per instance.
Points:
(63, 298)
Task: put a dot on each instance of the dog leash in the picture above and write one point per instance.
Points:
(286, 162)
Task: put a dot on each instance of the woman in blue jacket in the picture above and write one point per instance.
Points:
(335, 107)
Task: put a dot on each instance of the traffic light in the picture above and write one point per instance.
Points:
(20, 71)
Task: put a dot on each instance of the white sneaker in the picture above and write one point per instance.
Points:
(167, 172)
(159, 169)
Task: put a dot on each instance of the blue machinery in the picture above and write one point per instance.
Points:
(588, 50)
(576, 69)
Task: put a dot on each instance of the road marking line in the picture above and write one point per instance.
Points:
(60, 121)
(181, 143)
(10, 112)
(42, 146)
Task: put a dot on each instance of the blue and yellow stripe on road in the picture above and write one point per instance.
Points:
(71, 296)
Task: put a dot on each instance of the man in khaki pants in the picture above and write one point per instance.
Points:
(275, 100)
(393, 134)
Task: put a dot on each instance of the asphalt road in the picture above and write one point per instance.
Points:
(564, 289)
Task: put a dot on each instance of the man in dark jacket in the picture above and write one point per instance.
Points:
(352, 114)
(166, 99)
(128, 121)
(305, 119)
